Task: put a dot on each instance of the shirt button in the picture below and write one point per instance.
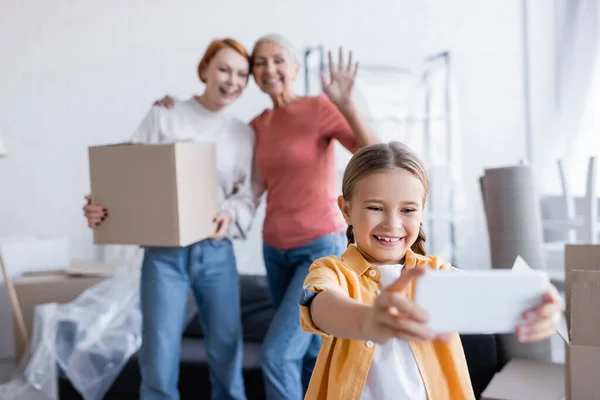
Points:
(378, 292)
(369, 344)
(372, 272)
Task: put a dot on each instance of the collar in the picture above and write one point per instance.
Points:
(357, 263)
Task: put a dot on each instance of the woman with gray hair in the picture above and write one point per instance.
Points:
(294, 163)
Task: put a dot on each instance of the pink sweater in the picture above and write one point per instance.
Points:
(295, 159)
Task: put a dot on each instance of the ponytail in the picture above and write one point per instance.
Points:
(350, 235)
(418, 246)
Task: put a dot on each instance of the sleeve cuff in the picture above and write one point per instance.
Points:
(230, 208)
(309, 292)
(235, 231)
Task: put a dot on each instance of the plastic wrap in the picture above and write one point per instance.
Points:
(88, 340)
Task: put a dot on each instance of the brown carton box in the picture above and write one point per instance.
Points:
(582, 264)
(583, 370)
(156, 194)
(60, 286)
(527, 380)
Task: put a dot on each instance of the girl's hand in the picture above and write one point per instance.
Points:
(393, 315)
(95, 214)
(542, 321)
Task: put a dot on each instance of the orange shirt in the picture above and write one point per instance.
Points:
(295, 161)
(342, 367)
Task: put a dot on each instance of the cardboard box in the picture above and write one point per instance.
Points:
(578, 257)
(61, 286)
(583, 371)
(26, 253)
(156, 194)
(22, 254)
(90, 268)
(582, 264)
(580, 330)
(527, 380)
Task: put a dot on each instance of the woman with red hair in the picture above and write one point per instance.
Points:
(209, 266)
(294, 163)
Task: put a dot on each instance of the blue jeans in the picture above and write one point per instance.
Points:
(289, 353)
(209, 269)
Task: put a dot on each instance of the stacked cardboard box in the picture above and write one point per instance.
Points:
(582, 263)
(527, 380)
(35, 253)
(22, 254)
(537, 380)
(60, 286)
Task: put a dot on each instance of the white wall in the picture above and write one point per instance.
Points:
(75, 73)
(572, 130)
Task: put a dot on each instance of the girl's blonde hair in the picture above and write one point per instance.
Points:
(383, 157)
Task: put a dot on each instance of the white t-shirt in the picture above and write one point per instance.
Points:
(394, 373)
(189, 120)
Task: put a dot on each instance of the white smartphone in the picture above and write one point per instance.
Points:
(490, 301)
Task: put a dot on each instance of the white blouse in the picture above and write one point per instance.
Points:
(394, 373)
(189, 120)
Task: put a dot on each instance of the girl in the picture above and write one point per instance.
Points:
(207, 267)
(365, 296)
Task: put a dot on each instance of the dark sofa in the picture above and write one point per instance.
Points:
(484, 356)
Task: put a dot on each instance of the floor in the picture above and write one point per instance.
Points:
(6, 368)
(6, 371)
